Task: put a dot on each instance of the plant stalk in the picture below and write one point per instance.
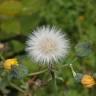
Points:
(53, 79)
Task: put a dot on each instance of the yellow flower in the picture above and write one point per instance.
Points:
(9, 63)
(81, 18)
(88, 81)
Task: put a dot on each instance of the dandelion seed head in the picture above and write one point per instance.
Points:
(47, 44)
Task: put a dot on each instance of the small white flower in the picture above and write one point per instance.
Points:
(47, 45)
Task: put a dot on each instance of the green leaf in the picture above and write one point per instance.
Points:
(28, 23)
(11, 26)
(32, 6)
(10, 8)
(31, 66)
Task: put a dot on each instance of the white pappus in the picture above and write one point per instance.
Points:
(47, 44)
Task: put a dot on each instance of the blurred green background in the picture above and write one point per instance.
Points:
(76, 18)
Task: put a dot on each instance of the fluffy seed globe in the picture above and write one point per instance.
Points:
(47, 44)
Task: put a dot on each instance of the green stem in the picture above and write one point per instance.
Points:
(2, 58)
(73, 72)
(16, 87)
(75, 59)
(37, 73)
(55, 85)
(67, 65)
(53, 79)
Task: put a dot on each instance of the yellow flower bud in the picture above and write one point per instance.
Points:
(88, 81)
(9, 63)
(81, 18)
